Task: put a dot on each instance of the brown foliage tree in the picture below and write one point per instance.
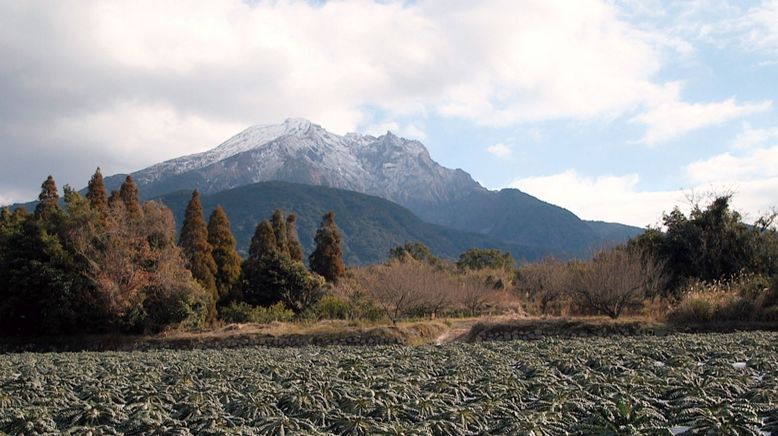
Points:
(263, 242)
(48, 198)
(327, 259)
(293, 241)
(133, 263)
(197, 251)
(131, 199)
(96, 193)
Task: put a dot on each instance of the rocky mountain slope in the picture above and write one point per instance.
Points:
(386, 166)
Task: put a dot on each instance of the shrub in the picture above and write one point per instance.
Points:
(480, 258)
(743, 298)
(241, 312)
(275, 277)
(180, 308)
(332, 307)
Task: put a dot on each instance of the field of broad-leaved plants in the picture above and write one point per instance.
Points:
(697, 384)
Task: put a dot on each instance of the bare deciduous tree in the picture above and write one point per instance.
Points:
(403, 288)
(615, 280)
(544, 283)
(474, 293)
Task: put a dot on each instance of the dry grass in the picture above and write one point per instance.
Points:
(743, 299)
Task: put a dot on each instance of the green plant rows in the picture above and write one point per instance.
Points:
(697, 384)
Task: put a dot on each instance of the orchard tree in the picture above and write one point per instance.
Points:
(616, 280)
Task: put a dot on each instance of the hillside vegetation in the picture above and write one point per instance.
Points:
(371, 226)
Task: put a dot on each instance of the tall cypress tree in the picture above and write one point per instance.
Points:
(48, 198)
(225, 253)
(327, 258)
(263, 242)
(197, 251)
(131, 199)
(279, 229)
(295, 247)
(96, 193)
(114, 200)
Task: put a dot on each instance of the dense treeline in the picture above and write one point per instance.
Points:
(712, 243)
(109, 263)
(707, 266)
(97, 264)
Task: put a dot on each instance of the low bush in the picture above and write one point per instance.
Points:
(180, 309)
(331, 307)
(241, 312)
(744, 298)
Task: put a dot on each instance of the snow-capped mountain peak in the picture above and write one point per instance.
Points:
(298, 150)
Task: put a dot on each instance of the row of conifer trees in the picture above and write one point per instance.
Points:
(112, 263)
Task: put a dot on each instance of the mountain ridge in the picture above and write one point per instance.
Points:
(387, 166)
(371, 225)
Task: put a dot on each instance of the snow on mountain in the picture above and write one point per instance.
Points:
(300, 151)
(387, 166)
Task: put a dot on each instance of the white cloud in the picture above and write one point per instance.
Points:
(194, 69)
(607, 198)
(758, 27)
(500, 150)
(673, 118)
(757, 164)
(142, 132)
(538, 59)
(409, 131)
(750, 137)
(753, 178)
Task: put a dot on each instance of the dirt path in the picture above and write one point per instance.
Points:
(459, 328)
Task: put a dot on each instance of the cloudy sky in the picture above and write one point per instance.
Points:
(614, 109)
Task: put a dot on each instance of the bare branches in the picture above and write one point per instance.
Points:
(615, 280)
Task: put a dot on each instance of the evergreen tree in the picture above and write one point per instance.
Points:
(48, 198)
(295, 247)
(114, 200)
(96, 193)
(480, 258)
(275, 277)
(224, 252)
(327, 258)
(131, 199)
(279, 229)
(196, 249)
(263, 242)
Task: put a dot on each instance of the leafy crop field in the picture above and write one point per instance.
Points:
(714, 384)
